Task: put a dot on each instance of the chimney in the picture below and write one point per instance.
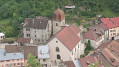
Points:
(100, 61)
(33, 21)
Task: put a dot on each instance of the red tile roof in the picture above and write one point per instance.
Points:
(58, 15)
(115, 20)
(24, 40)
(107, 22)
(68, 36)
(92, 34)
(103, 26)
(110, 57)
(69, 64)
(114, 46)
(103, 45)
(90, 59)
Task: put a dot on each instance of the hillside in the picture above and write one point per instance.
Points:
(13, 12)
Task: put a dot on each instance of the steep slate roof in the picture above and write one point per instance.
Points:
(76, 63)
(37, 22)
(10, 56)
(107, 22)
(69, 64)
(90, 59)
(26, 49)
(93, 34)
(24, 40)
(103, 26)
(68, 36)
(43, 52)
(58, 15)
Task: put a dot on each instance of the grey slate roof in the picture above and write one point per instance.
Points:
(76, 63)
(9, 56)
(40, 23)
(43, 52)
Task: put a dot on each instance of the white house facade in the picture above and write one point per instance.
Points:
(2, 36)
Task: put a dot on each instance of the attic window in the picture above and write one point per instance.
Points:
(56, 41)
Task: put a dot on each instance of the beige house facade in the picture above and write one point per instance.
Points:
(66, 44)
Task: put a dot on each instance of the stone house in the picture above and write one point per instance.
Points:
(66, 44)
(95, 36)
(38, 29)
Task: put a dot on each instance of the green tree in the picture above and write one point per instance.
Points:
(88, 48)
(32, 62)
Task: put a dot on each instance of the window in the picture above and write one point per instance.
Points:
(28, 35)
(78, 45)
(72, 53)
(39, 40)
(21, 64)
(35, 35)
(58, 56)
(35, 39)
(56, 24)
(114, 33)
(35, 31)
(57, 49)
(27, 29)
(56, 41)
(42, 36)
(44, 60)
(75, 49)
